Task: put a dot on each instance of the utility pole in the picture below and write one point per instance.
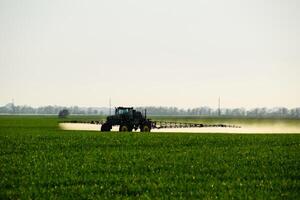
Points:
(109, 106)
(13, 105)
(219, 107)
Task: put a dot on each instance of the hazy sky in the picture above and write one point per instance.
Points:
(158, 52)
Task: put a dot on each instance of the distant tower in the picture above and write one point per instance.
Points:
(219, 107)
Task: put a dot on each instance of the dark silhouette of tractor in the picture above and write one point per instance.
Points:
(128, 119)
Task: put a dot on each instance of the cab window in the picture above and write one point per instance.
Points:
(123, 111)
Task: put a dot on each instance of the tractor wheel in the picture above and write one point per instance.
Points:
(105, 127)
(124, 128)
(145, 128)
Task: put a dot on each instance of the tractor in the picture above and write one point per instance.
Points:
(128, 119)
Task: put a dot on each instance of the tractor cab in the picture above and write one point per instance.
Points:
(124, 111)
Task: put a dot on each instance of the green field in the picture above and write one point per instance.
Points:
(39, 161)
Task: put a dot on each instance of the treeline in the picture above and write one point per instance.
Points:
(51, 110)
(280, 112)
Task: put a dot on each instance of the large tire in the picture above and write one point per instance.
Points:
(125, 128)
(105, 127)
(145, 128)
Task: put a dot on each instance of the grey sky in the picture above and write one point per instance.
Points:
(158, 52)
